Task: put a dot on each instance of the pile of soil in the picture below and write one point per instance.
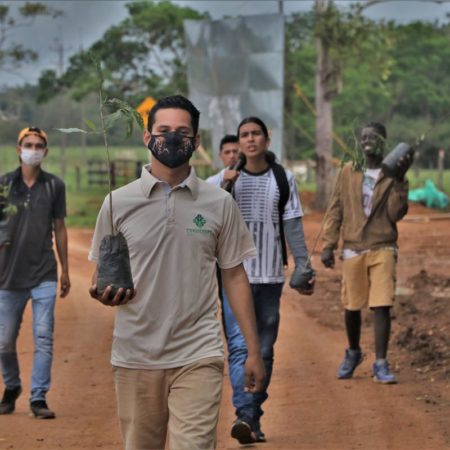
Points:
(423, 326)
(420, 326)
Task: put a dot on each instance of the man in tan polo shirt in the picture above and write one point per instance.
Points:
(167, 353)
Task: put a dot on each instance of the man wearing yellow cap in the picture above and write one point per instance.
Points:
(28, 268)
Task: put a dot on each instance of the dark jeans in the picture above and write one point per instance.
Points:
(266, 298)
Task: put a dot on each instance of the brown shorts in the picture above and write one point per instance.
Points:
(369, 279)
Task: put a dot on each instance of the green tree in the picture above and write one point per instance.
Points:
(300, 56)
(340, 35)
(333, 58)
(143, 54)
(12, 54)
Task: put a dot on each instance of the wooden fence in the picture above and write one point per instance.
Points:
(122, 171)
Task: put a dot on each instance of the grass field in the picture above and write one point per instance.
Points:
(84, 200)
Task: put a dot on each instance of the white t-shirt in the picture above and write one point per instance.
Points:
(370, 177)
(217, 178)
(257, 197)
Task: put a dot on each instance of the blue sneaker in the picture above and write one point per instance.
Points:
(381, 372)
(352, 359)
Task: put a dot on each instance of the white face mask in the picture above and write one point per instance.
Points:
(31, 157)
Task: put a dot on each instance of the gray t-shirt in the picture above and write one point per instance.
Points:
(30, 259)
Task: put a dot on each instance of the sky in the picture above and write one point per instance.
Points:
(85, 21)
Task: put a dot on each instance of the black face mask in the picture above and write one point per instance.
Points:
(172, 148)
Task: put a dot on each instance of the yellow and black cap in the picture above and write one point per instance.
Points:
(35, 131)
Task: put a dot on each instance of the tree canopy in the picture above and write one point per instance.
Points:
(12, 54)
(396, 75)
(142, 54)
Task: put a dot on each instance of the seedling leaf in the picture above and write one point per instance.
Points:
(71, 130)
(90, 124)
(111, 119)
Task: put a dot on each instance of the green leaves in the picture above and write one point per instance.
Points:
(33, 9)
(4, 10)
(6, 209)
(9, 210)
(123, 111)
(126, 113)
(143, 54)
(13, 54)
(90, 124)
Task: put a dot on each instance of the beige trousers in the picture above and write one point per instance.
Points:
(182, 402)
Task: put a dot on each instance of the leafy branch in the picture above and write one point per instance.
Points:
(6, 209)
(124, 112)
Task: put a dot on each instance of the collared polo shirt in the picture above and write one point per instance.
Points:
(30, 259)
(175, 237)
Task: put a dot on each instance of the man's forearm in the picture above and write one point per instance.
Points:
(62, 246)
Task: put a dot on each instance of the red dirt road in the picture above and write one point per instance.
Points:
(307, 409)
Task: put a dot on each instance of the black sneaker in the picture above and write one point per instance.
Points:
(8, 404)
(40, 410)
(260, 436)
(242, 432)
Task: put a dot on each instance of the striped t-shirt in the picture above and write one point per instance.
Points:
(257, 196)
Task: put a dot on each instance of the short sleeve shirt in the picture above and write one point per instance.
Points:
(30, 259)
(257, 196)
(175, 237)
(216, 179)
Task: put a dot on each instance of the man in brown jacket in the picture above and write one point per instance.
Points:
(366, 205)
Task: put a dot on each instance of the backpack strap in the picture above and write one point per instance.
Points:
(283, 188)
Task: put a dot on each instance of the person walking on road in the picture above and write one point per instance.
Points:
(229, 155)
(28, 268)
(167, 353)
(366, 206)
(267, 197)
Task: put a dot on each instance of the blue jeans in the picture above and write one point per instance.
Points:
(266, 298)
(12, 307)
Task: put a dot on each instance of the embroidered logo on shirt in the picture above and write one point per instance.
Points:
(200, 222)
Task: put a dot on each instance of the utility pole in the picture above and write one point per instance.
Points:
(59, 49)
(82, 109)
(280, 7)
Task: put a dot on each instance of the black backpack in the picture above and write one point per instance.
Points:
(283, 187)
